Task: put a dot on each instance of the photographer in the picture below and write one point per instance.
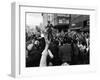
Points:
(49, 30)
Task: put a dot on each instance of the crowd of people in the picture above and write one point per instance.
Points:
(54, 48)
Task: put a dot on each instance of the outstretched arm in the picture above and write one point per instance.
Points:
(44, 57)
(45, 54)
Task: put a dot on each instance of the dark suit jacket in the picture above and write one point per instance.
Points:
(65, 52)
(33, 59)
(54, 48)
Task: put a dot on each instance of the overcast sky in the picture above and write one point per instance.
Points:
(33, 19)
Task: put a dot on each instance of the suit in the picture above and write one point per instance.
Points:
(65, 52)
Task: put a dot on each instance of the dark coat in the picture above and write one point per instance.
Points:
(65, 52)
(54, 48)
(33, 59)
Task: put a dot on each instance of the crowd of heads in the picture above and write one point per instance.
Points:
(59, 38)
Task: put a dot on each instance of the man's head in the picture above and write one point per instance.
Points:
(67, 40)
(48, 22)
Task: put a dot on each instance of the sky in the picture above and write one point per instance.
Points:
(33, 19)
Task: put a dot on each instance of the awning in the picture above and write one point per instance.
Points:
(61, 26)
(84, 29)
(76, 28)
(80, 29)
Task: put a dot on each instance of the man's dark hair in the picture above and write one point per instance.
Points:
(67, 40)
(49, 22)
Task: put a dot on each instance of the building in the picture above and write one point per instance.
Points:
(80, 22)
(59, 21)
(67, 21)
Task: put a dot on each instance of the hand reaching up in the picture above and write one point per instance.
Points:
(47, 41)
(45, 53)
